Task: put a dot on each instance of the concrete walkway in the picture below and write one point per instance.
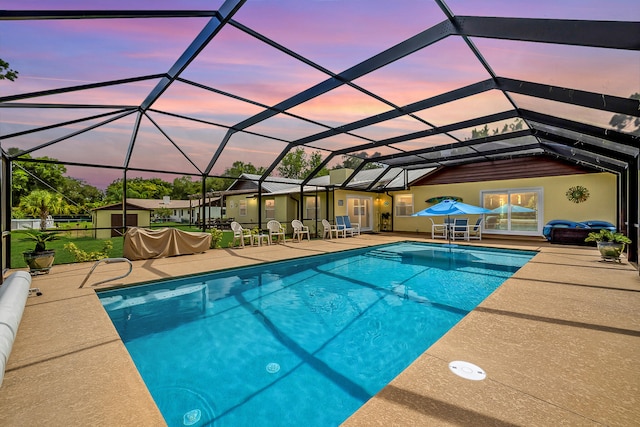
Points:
(558, 342)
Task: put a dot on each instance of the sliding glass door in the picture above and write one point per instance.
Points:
(513, 211)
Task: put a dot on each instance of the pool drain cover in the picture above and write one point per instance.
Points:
(467, 370)
(272, 368)
(192, 417)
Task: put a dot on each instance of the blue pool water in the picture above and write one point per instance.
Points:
(301, 342)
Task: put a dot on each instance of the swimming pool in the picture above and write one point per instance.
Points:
(301, 342)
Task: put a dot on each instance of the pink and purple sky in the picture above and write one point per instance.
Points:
(335, 34)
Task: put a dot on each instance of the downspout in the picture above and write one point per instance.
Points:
(392, 208)
(260, 205)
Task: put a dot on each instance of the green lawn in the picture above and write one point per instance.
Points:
(83, 240)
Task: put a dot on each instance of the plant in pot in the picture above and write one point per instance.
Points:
(40, 259)
(610, 244)
(385, 220)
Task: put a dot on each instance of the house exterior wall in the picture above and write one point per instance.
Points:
(601, 204)
(102, 219)
(287, 208)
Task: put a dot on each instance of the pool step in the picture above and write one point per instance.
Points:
(382, 254)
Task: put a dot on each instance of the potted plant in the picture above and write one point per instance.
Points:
(610, 244)
(385, 220)
(40, 259)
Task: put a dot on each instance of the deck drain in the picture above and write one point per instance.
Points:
(273, 367)
(467, 370)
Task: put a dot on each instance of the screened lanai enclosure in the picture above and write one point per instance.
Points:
(114, 89)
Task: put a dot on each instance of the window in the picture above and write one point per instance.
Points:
(310, 207)
(242, 208)
(270, 209)
(513, 211)
(404, 205)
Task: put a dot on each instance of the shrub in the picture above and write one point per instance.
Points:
(83, 256)
(216, 238)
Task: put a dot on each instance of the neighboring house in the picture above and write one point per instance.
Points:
(180, 210)
(184, 211)
(142, 212)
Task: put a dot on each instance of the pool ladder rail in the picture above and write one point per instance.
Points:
(107, 261)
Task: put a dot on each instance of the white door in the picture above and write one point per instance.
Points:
(360, 209)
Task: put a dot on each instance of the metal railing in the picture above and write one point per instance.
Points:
(107, 261)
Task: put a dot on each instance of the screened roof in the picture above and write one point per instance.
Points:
(193, 86)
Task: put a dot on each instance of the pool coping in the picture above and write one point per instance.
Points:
(545, 364)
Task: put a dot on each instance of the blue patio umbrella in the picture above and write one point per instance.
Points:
(514, 209)
(451, 207)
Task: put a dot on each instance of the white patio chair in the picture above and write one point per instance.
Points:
(299, 230)
(438, 231)
(329, 229)
(460, 229)
(240, 234)
(276, 230)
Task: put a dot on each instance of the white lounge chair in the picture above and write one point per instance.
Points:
(299, 230)
(329, 229)
(240, 234)
(276, 230)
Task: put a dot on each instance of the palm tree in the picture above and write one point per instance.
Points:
(42, 203)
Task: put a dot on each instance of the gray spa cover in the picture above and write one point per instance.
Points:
(143, 243)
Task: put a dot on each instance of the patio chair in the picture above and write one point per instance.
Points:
(276, 230)
(299, 230)
(342, 227)
(460, 228)
(240, 234)
(355, 227)
(329, 229)
(438, 231)
(475, 231)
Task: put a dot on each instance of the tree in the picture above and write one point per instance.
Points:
(138, 188)
(517, 124)
(353, 161)
(78, 192)
(624, 123)
(6, 72)
(28, 176)
(296, 164)
(183, 187)
(238, 168)
(41, 204)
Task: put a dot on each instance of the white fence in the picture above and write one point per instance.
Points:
(30, 223)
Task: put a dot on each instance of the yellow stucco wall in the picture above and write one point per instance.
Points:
(601, 204)
(286, 209)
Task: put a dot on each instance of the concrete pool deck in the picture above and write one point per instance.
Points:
(558, 341)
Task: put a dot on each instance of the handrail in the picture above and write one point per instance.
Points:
(107, 261)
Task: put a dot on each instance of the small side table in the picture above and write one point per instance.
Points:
(261, 238)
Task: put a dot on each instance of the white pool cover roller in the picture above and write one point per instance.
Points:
(13, 297)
